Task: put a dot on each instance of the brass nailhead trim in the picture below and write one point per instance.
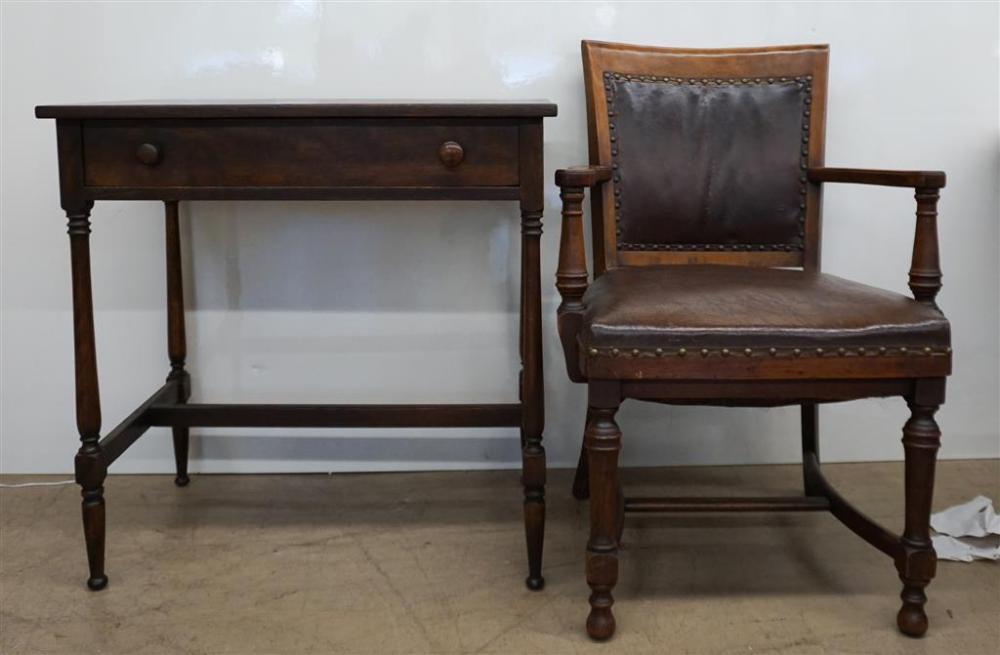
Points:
(858, 351)
(804, 82)
(687, 247)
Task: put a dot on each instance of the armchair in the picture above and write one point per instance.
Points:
(705, 182)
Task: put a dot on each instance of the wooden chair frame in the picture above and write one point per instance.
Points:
(722, 378)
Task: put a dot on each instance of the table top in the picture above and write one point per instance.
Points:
(154, 109)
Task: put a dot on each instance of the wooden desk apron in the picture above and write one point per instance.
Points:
(294, 151)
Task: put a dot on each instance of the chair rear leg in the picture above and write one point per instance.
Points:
(810, 448)
(581, 481)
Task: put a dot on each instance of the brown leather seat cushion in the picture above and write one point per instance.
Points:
(705, 306)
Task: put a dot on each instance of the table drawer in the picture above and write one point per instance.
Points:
(300, 153)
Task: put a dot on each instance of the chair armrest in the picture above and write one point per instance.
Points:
(912, 179)
(583, 176)
(925, 267)
(571, 275)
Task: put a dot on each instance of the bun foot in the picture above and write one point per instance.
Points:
(97, 583)
(600, 623)
(182, 480)
(535, 584)
(912, 620)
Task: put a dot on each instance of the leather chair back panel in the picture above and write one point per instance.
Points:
(713, 164)
(709, 150)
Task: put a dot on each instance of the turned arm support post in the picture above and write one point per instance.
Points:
(571, 274)
(925, 267)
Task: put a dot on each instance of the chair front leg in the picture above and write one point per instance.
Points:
(917, 561)
(603, 442)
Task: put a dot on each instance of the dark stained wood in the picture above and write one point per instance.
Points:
(645, 258)
(135, 424)
(925, 269)
(810, 446)
(176, 335)
(148, 154)
(451, 154)
(350, 150)
(89, 463)
(763, 393)
(306, 193)
(300, 153)
(761, 365)
(302, 109)
(571, 278)
(603, 441)
(581, 480)
(69, 142)
(916, 561)
(713, 372)
(245, 415)
(855, 520)
(727, 504)
(912, 179)
(582, 176)
(532, 203)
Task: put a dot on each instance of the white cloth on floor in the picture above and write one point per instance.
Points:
(968, 531)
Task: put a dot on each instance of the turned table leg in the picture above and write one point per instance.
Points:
(533, 453)
(90, 466)
(176, 340)
(532, 203)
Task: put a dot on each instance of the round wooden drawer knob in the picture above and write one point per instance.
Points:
(451, 154)
(148, 154)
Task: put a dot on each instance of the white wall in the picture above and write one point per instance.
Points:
(394, 302)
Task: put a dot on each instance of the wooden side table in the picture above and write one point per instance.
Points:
(294, 151)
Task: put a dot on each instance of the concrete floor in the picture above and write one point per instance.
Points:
(434, 563)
